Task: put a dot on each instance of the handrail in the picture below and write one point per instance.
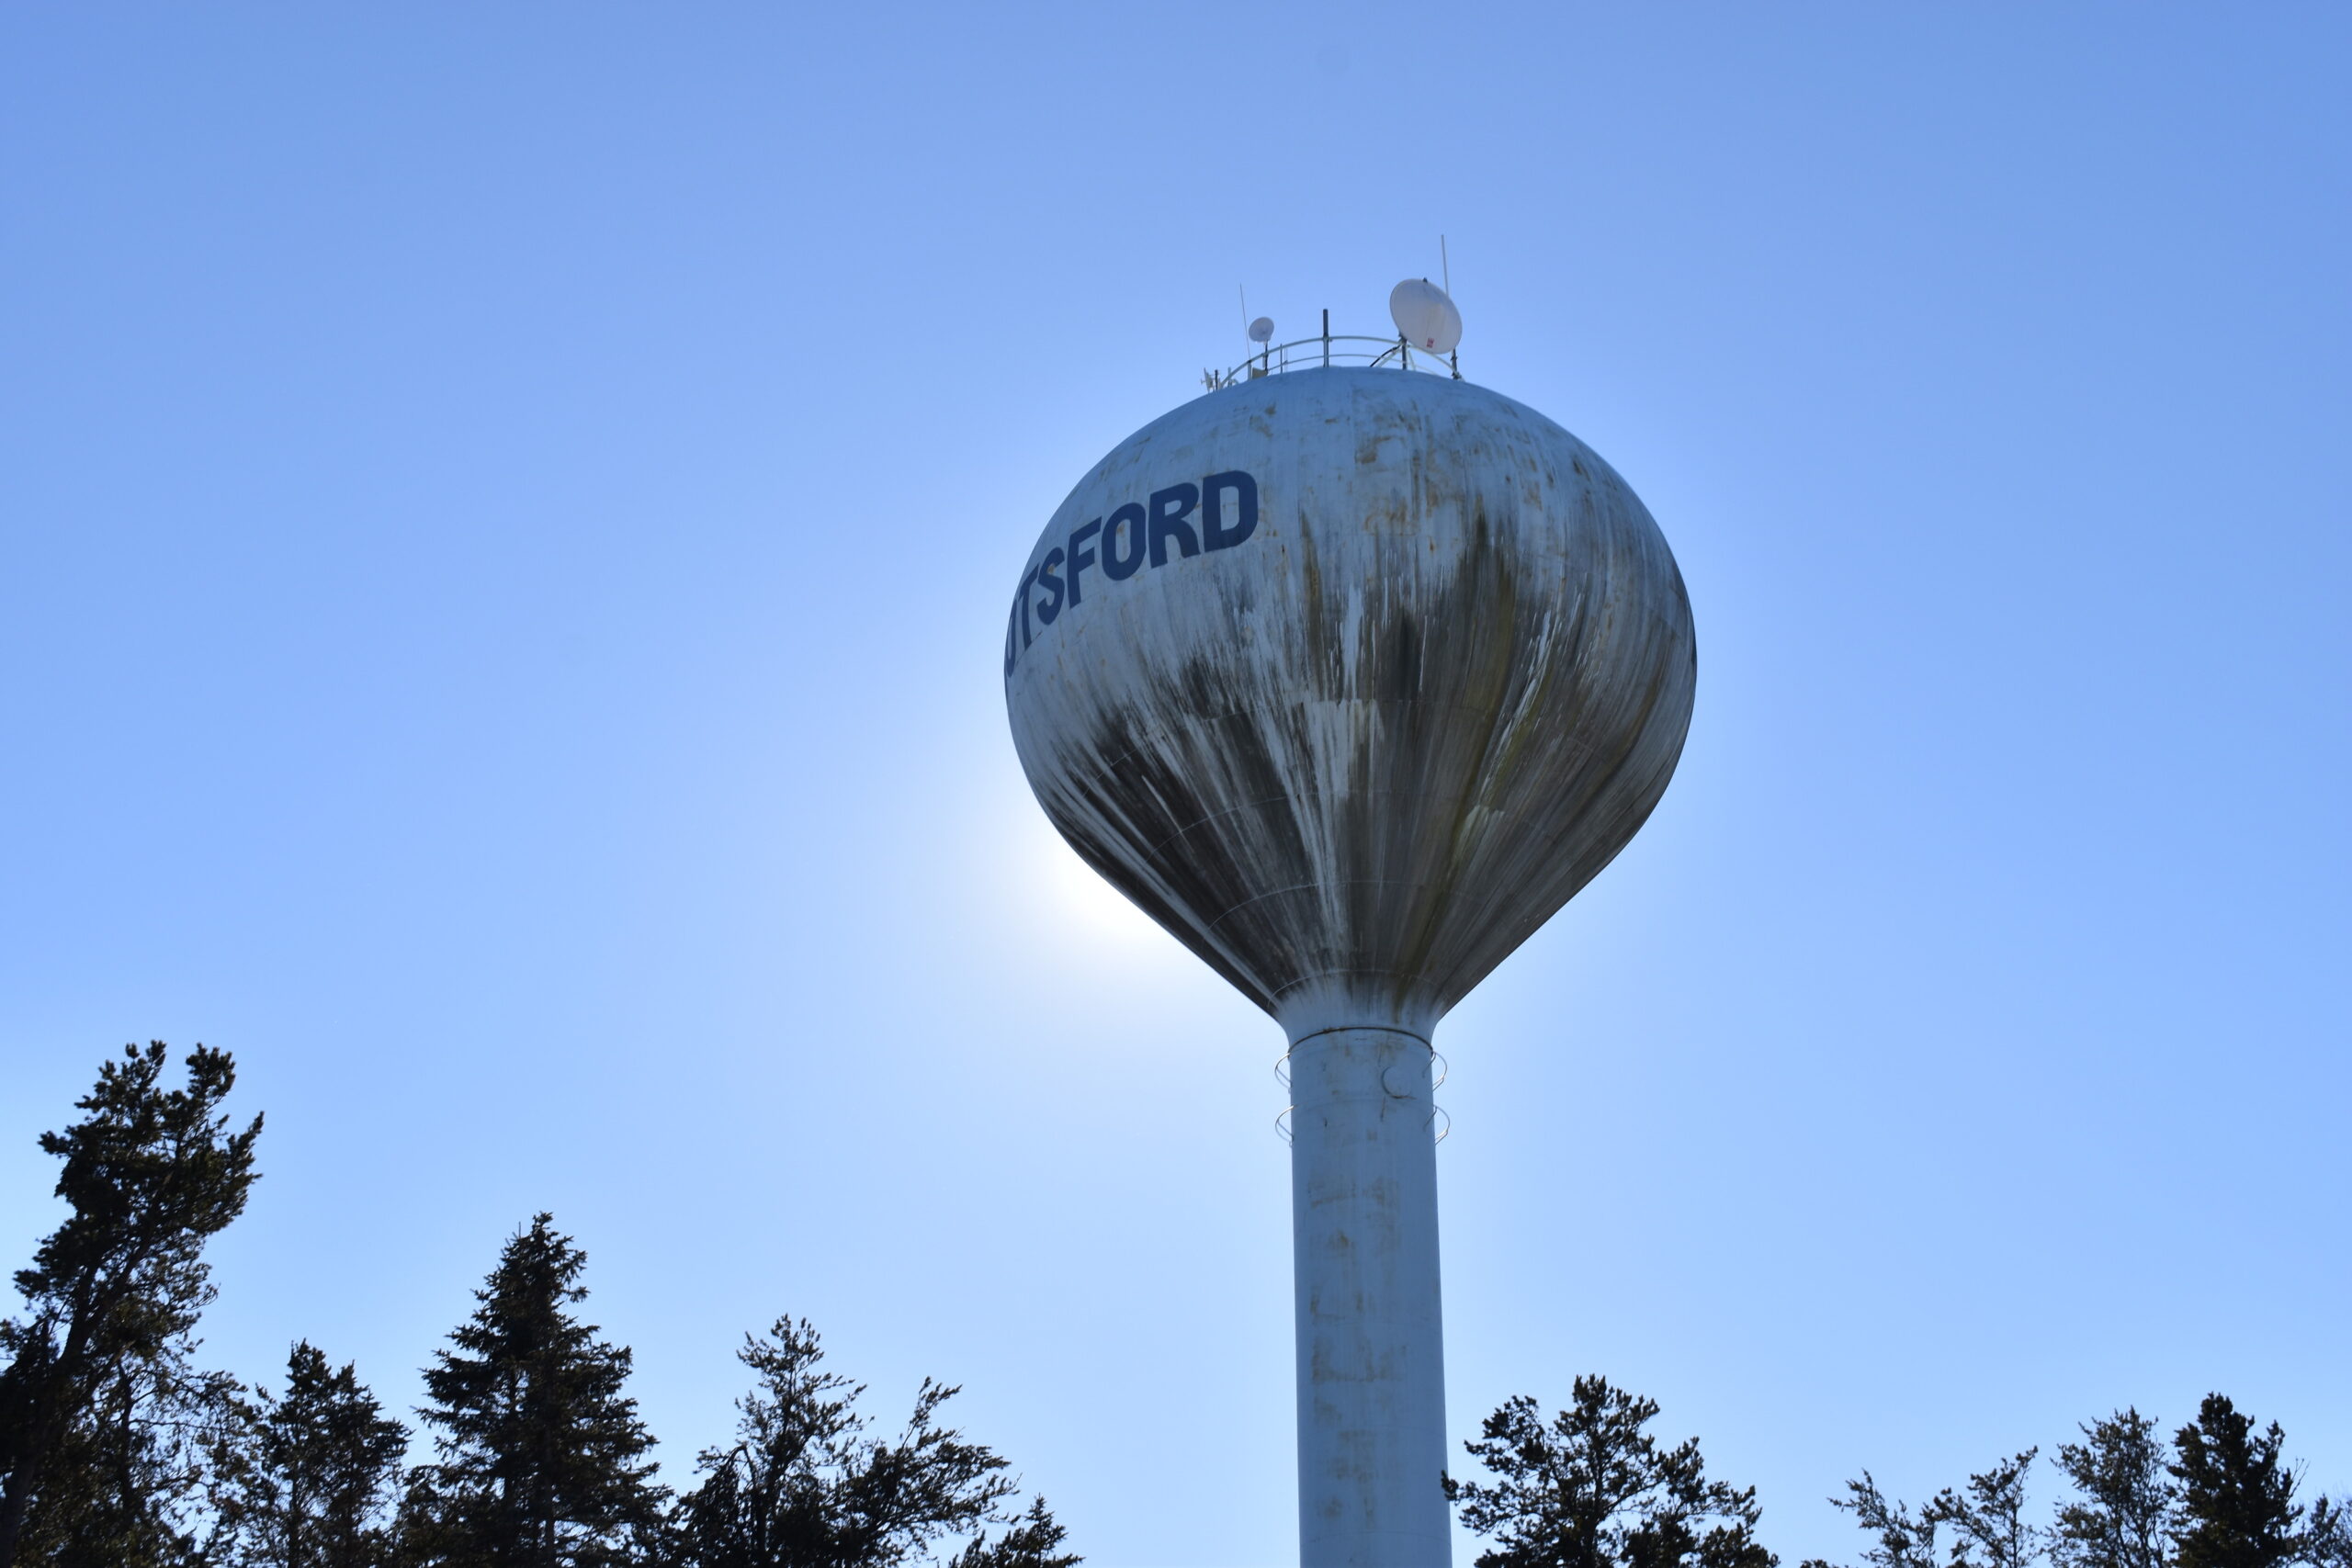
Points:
(1318, 354)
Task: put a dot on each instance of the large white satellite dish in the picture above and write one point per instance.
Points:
(1425, 315)
(1263, 329)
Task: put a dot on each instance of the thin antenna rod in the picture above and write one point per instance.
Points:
(1245, 310)
(1445, 267)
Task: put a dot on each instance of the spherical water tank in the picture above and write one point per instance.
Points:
(1349, 679)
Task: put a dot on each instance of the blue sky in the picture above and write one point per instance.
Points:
(507, 513)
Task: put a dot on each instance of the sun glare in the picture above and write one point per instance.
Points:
(1091, 909)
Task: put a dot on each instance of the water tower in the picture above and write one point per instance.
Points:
(1350, 673)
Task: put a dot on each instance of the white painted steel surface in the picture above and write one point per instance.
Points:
(1364, 1266)
(1351, 677)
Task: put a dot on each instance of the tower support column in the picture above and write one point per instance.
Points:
(1371, 1351)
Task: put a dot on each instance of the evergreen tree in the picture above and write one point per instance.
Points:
(2328, 1542)
(2122, 1515)
(1595, 1489)
(1987, 1517)
(803, 1486)
(106, 1432)
(137, 1481)
(541, 1457)
(322, 1466)
(1030, 1543)
(1899, 1540)
(2237, 1499)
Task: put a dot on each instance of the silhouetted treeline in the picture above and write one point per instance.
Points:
(2219, 1495)
(118, 1451)
(1592, 1489)
(115, 1452)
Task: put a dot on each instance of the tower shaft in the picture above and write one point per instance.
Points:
(1371, 1355)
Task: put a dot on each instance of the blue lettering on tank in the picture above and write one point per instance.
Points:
(1051, 584)
(1169, 507)
(1124, 523)
(1131, 537)
(1215, 533)
(1080, 557)
(1025, 583)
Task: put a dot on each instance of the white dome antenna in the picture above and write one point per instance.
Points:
(1425, 315)
(1263, 329)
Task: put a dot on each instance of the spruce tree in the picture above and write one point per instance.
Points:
(540, 1455)
(2123, 1513)
(321, 1468)
(105, 1431)
(804, 1486)
(2237, 1498)
(1593, 1489)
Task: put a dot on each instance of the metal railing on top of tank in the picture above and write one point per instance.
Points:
(1322, 352)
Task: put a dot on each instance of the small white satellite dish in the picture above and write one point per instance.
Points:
(1263, 329)
(1426, 315)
